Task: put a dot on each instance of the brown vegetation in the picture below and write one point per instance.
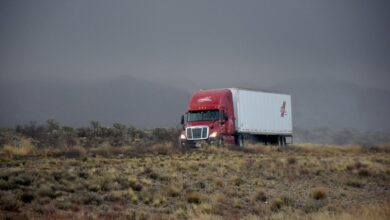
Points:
(164, 182)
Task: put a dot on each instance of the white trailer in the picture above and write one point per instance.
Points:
(262, 114)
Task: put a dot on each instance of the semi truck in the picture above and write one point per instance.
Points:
(235, 116)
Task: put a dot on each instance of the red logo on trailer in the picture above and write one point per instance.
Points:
(283, 111)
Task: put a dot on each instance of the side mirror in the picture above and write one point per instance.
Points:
(225, 116)
(182, 120)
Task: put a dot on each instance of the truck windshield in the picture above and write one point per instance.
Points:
(209, 115)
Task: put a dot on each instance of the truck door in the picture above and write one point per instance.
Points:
(224, 122)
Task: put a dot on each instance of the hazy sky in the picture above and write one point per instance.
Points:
(76, 60)
(192, 44)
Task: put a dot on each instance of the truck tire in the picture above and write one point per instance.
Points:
(220, 142)
(241, 141)
(281, 141)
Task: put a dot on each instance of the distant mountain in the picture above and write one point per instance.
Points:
(334, 104)
(126, 100)
(340, 136)
(129, 100)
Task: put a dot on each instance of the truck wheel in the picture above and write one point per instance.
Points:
(281, 141)
(241, 142)
(180, 143)
(183, 145)
(220, 142)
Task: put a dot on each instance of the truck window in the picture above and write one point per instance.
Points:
(209, 115)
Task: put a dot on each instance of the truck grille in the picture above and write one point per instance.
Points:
(197, 133)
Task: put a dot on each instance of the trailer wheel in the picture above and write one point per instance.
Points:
(282, 141)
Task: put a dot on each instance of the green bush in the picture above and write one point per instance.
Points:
(52, 134)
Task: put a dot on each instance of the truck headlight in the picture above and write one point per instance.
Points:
(214, 134)
(182, 136)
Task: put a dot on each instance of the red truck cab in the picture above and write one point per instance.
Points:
(210, 118)
(237, 116)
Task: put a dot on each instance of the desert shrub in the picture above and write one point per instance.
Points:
(354, 183)
(8, 202)
(136, 186)
(194, 197)
(22, 180)
(57, 176)
(141, 215)
(359, 165)
(318, 193)
(43, 135)
(67, 152)
(261, 196)
(364, 173)
(201, 184)
(32, 130)
(146, 181)
(27, 197)
(23, 148)
(114, 196)
(91, 198)
(132, 196)
(93, 135)
(83, 174)
(173, 191)
(5, 185)
(49, 135)
(137, 135)
(46, 191)
(118, 135)
(219, 182)
(236, 181)
(153, 197)
(65, 205)
(70, 136)
(94, 187)
(52, 134)
(7, 136)
(276, 204)
(287, 200)
(165, 134)
(152, 174)
(164, 148)
(158, 199)
(238, 203)
(105, 183)
(291, 160)
(106, 150)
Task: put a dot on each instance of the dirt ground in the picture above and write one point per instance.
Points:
(258, 182)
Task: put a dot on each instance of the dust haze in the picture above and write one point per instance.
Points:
(92, 93)
(137, 62)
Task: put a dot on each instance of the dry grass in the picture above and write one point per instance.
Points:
(366, 212)
(163, 182)
(318, 193)
(24, 148)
